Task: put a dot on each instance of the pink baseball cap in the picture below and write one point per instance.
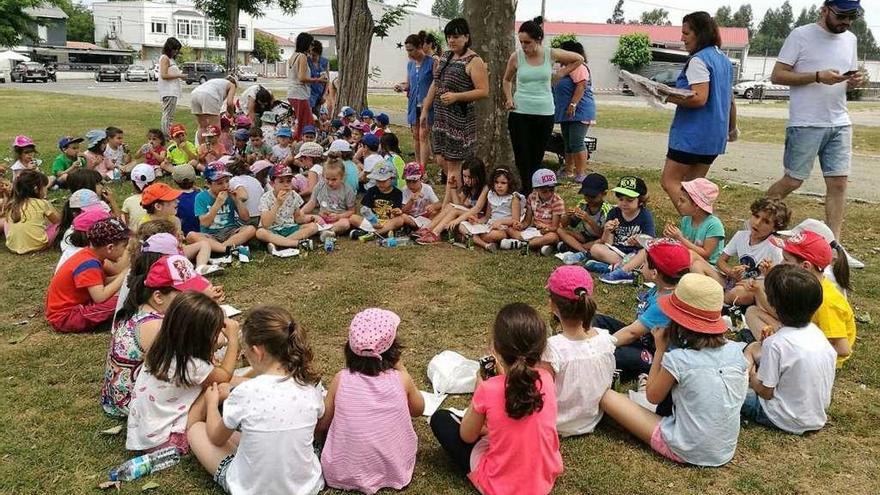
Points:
(84, 221)
(161, 243)
(175, 271)
(259, 166)
(372, 332)
(703, 193)
(22, 141)
(569, 281)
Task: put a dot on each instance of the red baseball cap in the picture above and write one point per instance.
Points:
(158, 191)
(567, 281)
(176, 129)
(668, 256)
(175, 271)
(808, 246)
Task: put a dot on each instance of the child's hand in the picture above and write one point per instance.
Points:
(396, 212)
(660, 338)
(231, 329)
(611, 225)
(767, 331)
(215, 292)
(224, 389)
(765, 266)
(672, 232)
(212, 396)
(221, 197)
(579, 213)
(633, 241)
(737, 272)
(517, 225)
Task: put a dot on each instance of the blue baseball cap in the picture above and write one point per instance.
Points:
(309, 129)
(346, 112)
(215, 170)
(66, 141)
(845, 5)
(336, 123)
(370, 141)
(242, 134)
(383, 119)
(367, 113)
(594, 184)
(284, 132)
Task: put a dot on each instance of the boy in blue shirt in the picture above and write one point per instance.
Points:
(625, 223)
(222, 215)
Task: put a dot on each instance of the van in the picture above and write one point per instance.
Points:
(202, 71)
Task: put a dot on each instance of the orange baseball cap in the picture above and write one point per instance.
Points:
(158, 192)
(176, 129)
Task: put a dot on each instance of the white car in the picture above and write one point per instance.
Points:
(136, 73)
(751, 89)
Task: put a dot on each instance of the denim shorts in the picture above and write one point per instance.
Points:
(573, 134)
(220, 474)
(833, 145)
(752, 410)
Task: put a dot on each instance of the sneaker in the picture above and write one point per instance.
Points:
(326, 235)
(283, 253)
(429, 238)
(369, 236)
(546, 250)
(617, 277)
(223, 260)
(597, 266)
(491, 247)
(355, 233)
(572, 258)
(244, 254)
(422, 231)
(642, 382)
(206, 270)
(562, 247)
(511, 244)
(853, 262)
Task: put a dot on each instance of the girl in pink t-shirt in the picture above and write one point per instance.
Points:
(520, 453)
(371, 443)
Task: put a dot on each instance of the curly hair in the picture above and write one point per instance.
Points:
(519, 336)
(775, 208)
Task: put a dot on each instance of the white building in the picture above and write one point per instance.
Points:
(145, 25)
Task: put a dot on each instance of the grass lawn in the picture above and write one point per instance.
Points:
(447, 298)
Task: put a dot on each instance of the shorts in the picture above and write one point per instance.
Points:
(205, 104)
(422, 222)
(177, 440)
(220, 473)
(658, 443)
(285, 231)
(573, 134)
(752, 410)
(833, 146)
(686, 158)
(223, 235)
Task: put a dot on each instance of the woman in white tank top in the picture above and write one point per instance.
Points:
(168, 81)
(299, 81)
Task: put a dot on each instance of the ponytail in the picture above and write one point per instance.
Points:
(519, 337)
(522, 396)
(840, 269)
(533, 28)
(274, 329)
(582, 309)
(138, 293)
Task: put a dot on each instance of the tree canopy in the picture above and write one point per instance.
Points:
(80, 22)
(617, 14)
(657, 17)
(15, 24)
(447, 9)
(266, 49)
(633, 52)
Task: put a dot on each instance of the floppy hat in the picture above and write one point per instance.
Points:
(183, 172)
(83, 198)
(84, 221)
(161, 243)
(66, 141)
(372, 162)
(544, 177)
(95, 136)
(158, 192)
(268, 117)
(703, 193)
(384, 171)
(568, 280)
(372, 332)
(312, 150)
(108, 231)
(413, 171)
(593, 185)
(22, 141)
(630, 186)
(809, 246)
(696, 304)
(143, 175)
(668, 256)
(175, 271)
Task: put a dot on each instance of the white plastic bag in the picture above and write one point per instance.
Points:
(452, 373)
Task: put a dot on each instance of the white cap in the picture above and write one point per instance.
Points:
(372, 161)
(339, 145)
(143, 175)
(814, 226)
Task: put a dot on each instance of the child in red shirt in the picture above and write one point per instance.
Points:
(79, 297)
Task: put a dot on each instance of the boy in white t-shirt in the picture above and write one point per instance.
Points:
(791, 373)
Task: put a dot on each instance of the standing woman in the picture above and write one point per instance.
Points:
(419, 75)
(210, 99)
(299, 82)
(530, 121)
(169, 81)
(319, 68)
(703, 122)
(460, 79)
(575, 112)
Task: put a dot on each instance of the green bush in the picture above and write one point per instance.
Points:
(559, 39)
(633, 52)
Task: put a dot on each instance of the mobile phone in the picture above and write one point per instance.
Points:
(850, 73)
(487, 367)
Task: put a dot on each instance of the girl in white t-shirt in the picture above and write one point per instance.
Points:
(164, 391)
(581, 358)
(503, 208)
(275, 413)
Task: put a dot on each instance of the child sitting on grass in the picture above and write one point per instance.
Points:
(625, 223)
(176, 370)
(389, 148)
(310, 158)
(262, 440)
(222, 215)
(240, 144)
(282, 223)
(160, 202)
(507, 440)
(581, 357)
(503, 209)
(142, 175)
(583, 225)
(751, 248)
(333, 198)
(544, 214)
(94, 155)
(791, 373)
(835, 318)
(383, 199)
(419, 202)
(68, 160)
(699, 230)
(375, 387)
(212, 149)
(282, 152)
(180, 151)
(154, 152)
(459, 204)
(31, 221)
(257, 148)
(25, 151)
(117, 152)
(185, 177)
(246, 187)
(79, 296)
(705, 374)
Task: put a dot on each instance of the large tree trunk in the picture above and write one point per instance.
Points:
(232, 36)
(353, 22)
(491, 23)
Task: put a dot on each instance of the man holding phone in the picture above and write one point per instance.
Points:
(820, 63)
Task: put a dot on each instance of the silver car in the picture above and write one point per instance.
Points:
(752, 89)
(136, 73)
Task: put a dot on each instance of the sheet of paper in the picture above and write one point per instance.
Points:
(230, 311)
(366, 226)
(432, 402)
(652, 91)
(641, 399)
(530, 233)
(476, 228)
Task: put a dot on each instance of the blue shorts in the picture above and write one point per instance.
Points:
(573, 134)
(752, 410)
(833, 146)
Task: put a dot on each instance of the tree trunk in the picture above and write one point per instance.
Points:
(232, 36)
(353, 22)
(491, 23)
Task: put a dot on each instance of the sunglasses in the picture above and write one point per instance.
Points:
(846, 16)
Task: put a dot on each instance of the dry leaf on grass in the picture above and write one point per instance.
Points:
(152, 485)
(112, 431)
(109, 484)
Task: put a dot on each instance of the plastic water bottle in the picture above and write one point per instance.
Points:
(368, 214)
(396, 241)
(137, 467)
(329, 244)
(574, 258)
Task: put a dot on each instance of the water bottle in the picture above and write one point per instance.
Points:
(329, 244)
(133, 469)
(368, 214)
(389, 242)
(574, 258)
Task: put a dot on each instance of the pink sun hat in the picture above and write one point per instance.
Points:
(372, 332)
(703, 193)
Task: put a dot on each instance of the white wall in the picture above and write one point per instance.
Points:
(599, 51)
(758, 67)
(384, 52)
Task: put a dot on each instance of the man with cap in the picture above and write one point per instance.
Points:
(69, 160)
(820, 63)
(582, 225)
(222, 215)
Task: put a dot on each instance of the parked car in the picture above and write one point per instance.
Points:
(29, 71)
(245, 73)
(751, 89)
(668, 77)
(108, 73)
(154, 72)
(202, 71)
(136, 73)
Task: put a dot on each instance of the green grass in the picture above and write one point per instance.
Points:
(447, 297)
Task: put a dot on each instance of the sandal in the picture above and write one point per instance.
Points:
(429, 238)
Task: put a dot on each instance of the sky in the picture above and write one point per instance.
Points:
(316, 13)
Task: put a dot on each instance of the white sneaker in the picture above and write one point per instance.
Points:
(547, 250)
(283, 253)
(206, 270)
(853, 262)
(511, 244)
(225, 260)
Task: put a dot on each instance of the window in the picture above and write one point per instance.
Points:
(159, 26)
(196, 29)
(213, 35)
(242, 32)
(183, 28)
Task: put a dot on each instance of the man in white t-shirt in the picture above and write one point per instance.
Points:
(820, 63)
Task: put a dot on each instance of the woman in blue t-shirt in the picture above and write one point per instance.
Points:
(419, 76)
(704, 122)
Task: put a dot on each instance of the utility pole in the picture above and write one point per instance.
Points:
(543, 7)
